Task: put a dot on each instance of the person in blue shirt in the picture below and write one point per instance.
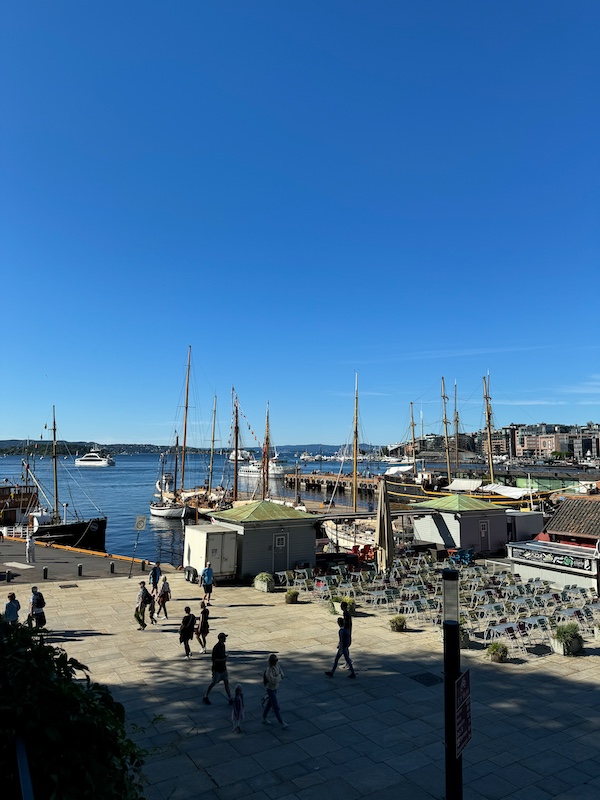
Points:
(207, 577)
(343, 650)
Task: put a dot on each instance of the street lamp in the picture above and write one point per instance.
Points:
(451, 617)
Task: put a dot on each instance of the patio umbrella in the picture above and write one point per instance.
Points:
(384, 535)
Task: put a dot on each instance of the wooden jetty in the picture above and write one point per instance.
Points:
(327, 483)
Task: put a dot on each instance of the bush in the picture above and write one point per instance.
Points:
(48, 700)
(565, 634)
(264, 578)
(499, 650)
(398, 623)
(291, 596)
(335, 598)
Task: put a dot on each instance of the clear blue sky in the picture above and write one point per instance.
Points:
(301, 191)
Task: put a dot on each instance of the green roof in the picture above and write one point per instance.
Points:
(457, 502)
(261, 511)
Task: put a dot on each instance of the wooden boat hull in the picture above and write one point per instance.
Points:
(87, 534)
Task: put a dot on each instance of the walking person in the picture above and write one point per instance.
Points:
(12, 608)
(219, 669)
(203, 627)
(207, 578)
(143, 600)
(163, 597)
(272, 677)
(152, 610)
(237, 712)
(37, 604)
(30, 548)
(347, 624)
(154, 578)
(342, 650)
(186, 631)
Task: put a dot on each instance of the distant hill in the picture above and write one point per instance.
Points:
(18, 447)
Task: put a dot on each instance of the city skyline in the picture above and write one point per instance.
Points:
(303, 193)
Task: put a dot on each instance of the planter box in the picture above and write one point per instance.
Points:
(264, 586)
(498, 658)
(573, 648)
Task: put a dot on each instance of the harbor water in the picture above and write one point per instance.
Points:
(125, 491)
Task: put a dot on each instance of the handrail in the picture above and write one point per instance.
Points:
(23, 766)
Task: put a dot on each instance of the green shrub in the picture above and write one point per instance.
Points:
(398, 623)
(48, 700)
(291, 596)
(498, 649)
(265, 577)
(565, 634)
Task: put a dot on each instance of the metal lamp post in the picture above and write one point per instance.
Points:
(454, 789)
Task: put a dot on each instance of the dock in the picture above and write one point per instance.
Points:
(328, 482)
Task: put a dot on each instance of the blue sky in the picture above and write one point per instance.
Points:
(301, 191)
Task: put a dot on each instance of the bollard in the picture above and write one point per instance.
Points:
(80, 569)
(112, 567)
(8, 576)
(143, 566)
(45, 573)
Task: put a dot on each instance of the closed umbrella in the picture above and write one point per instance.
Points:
(384, 535)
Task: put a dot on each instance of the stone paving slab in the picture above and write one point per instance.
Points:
(536, 731)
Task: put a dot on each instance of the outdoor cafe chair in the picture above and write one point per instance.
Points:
(513, 642)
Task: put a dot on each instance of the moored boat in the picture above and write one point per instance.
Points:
(95, 458)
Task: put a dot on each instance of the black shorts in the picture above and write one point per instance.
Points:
(207, 588)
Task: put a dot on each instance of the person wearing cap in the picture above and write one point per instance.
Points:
(272, 678)
(219, 669)
(206, 578)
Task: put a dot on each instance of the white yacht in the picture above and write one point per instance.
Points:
(254, 468)
(95, 458)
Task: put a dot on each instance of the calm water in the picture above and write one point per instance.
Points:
(125, 491)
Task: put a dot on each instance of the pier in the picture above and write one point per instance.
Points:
(327, 483)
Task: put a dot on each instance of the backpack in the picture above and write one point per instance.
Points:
(39, 601)
(146, 597)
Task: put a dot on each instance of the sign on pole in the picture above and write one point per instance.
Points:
(140, 523)
(462, 693)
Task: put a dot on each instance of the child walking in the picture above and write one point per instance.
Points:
(237, 712)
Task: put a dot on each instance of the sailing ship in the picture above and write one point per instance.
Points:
(24, 511)
(167, 506)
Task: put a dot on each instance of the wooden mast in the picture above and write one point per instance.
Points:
(488, 426)
(414, 444)
(265, 459)
(185, 416)
(446, 442)
(236, 437)
(355, 451)
(456, 448)
(212, 447)
(56, 515)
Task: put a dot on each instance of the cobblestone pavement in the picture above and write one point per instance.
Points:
(536, 719)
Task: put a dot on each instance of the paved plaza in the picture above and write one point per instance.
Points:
(536, 719)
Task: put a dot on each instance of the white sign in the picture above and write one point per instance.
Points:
(140, 523)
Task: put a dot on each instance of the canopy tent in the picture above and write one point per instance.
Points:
(401, 470)
(464, 485)
(505, 491)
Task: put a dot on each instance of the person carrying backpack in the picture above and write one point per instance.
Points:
(36, 608)
(143, 599)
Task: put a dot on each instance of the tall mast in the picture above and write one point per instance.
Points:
(56, 515)
(176, 460)
(355, 451)
(236, 438)
(414, 444)
(212, 447)
(446, 442)
(185, 415)
(456, 448)
(488, 426)
(265, 459)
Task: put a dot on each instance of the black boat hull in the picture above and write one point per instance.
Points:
(87, 534)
